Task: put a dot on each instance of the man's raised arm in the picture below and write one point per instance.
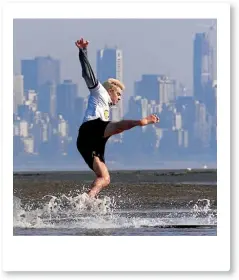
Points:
(87, 72)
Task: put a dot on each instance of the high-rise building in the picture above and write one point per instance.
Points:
(148, 87)
(62, 127)
(202, 65)
(178, 121)
(160, 88)
(23, 128)
(183, 138)
(202, 127)
(47, 99)
(215, 97)
(80, 109)
(138, 107)
(18, 92)
(110, 65)
(32, 100)
(167, 90)
(185, 105)
(39, 71)
(66, 97)
(63, 133)
(29, 71)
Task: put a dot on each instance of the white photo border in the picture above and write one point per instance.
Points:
(162, 253)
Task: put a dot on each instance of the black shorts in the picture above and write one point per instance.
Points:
(91, 141)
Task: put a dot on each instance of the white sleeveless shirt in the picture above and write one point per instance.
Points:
(98, 104)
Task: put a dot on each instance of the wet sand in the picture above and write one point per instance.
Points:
(167, 188)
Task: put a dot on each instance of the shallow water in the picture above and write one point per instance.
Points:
(79, 215)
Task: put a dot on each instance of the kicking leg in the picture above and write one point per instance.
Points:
(103, 178)
(118, 127)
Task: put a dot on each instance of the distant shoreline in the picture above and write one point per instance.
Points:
(165, 171)
(209, 176)
(115, 166)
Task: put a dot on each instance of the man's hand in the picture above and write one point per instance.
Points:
(149, 120)
(81, 44)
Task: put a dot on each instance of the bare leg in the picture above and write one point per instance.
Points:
(118, 127)
(103, 178)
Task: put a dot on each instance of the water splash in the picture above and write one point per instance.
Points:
(53, 209)
(82, 212)
(203, 209)
(195, 213)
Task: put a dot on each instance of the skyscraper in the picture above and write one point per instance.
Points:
(39, 71)
(202, 65)
(110, 65)
(167, 90)
(202, 127)
(29, 71)
(66, 97)
(47, 98)
(148, 87)
(18, 92)
(159, 88)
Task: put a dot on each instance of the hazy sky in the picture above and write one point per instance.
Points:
(150, 46)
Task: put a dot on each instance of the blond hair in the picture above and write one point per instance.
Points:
(113, 83)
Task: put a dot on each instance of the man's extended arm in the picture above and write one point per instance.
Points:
(87, 72)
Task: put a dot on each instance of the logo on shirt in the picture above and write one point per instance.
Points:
(106, 114)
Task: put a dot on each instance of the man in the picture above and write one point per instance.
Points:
(96, 127)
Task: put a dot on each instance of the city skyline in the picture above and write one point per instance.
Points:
(46, 122)
(175, 45)
(47, 119)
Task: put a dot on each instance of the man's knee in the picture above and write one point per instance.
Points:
(106, 180)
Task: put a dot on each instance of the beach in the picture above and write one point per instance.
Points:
(134, 194)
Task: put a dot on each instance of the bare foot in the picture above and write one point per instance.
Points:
(150, 120)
